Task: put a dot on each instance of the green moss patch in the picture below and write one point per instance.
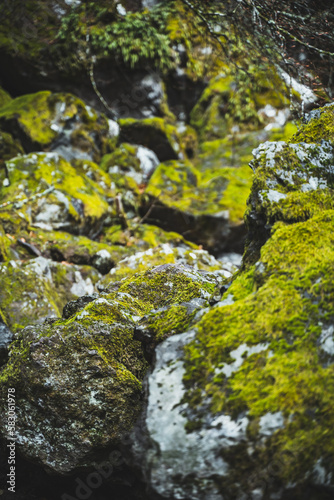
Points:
(183, 187)
(75, 199)
(283, 313)
(38, 119)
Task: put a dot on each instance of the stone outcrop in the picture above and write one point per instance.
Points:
(246, 391)
(87, 368)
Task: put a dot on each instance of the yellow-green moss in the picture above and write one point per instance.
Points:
(318, 129)
(233, 99)
(5, 243)
(124, 157)
(34, 116)
(289, 298)
(163, 324)
(4, 97)
(37, 119)
(181, 186)
(35, 173)
(163, 289)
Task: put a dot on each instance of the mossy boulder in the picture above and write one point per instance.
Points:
(154, 133)
(129, 161)
(33, 290)
(80, 250)
(129, 168)
(293, 180)
(173, 252)
(205, 207)
(140, 237)
(55, 195)
(58, 122)
(230, 101)
(251, 385)
(247, 390)
(87, 368)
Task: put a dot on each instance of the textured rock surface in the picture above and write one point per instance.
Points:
(40, 285)
(58, 122)
(248, 389)
(293, 180)
(87, 369)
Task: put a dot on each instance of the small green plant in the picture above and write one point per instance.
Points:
(138, 37)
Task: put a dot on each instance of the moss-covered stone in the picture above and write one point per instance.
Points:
(87, 369)
(200, 56)
(206, 207)
(177, 292)
(61, 246)
(281, 331)
(140, 237)
(130, 166)
(58, 122)
(293, 181)
(320, 126)
(124, 157)
(33, 290)
(182, 187)
(55, 195)
(173, 252)
(229, 101)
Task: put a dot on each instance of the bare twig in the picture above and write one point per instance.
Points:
(18, 204)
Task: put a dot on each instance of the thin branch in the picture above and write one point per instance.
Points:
(20, 203)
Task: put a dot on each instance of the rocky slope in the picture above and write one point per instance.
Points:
(148, 359)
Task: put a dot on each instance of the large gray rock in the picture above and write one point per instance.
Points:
(78, 380)
(239, 406)
(292, 180)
